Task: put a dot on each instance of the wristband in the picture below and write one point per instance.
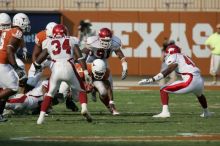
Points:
(158, 77)
(37, 64)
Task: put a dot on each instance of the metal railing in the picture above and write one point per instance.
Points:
(111, 5)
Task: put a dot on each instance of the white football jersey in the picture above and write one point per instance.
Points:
(94, 45)
(60, 48)
(29, 100)
(37, 91)
(185, 64)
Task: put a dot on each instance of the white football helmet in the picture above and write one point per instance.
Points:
(21, 20)
(5, 21)
(49, 29)
(98, 69)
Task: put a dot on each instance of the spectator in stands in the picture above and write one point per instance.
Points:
(84, 31)
(213, 43)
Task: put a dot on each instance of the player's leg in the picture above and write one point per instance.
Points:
(9, 82)
(177, 87)
(76, 83)
(65, 91)
(199, 93)
(106, 95)
(54, 84)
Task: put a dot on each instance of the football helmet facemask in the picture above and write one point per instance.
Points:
(21, 20)
(105, 37)
(59, 31)
(5, 21)
(98, 69)
(172, 49)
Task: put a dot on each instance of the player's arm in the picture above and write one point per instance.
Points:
(85, 51)
(81, 60)
(159, 76)
(124, 63)
(42, 56)
(79, 57)
(37, 64)
(169, 69)
(12, 47)
(36, 52)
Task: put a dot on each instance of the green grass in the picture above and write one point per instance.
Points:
(136, 108)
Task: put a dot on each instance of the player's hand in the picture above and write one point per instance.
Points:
(20, 72)
(24, 53)
(124, 74)
(88, 78)
(145, 81)
(38, 68)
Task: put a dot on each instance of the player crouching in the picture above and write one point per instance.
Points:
(100, 74)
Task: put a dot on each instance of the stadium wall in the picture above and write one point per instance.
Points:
(142, 34)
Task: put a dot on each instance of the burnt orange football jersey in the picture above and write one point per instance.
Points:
(5, 38)
(80, 70)
(40, 37)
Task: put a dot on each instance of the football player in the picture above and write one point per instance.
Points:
(191, 81)
(39, 38)
(101, 46)
(100, 73)
(62, 48)
(11, 40)
(28, 102)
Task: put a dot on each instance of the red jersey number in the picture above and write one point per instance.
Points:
(57, 46)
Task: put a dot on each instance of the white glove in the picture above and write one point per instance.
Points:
(88, 79)
(24, 53)
(124, 74)
(145, 81)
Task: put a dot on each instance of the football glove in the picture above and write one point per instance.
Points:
(37, 67)
(88, 79)
(124, 74)
(20, 72)
(24, 53)
(146, 81)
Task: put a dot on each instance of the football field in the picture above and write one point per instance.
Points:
(134, 126)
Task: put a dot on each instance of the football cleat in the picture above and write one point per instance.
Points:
(3, 119)
(206, 114)
(86, 113)
(113, 110)
(87, 116)
(41, 118)
(162, 115)
(71, 105)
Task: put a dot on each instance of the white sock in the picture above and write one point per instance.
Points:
(84, 106)
(111, 102)
(165, 109)
(42, 114)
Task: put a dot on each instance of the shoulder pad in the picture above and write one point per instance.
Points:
(116, 42)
